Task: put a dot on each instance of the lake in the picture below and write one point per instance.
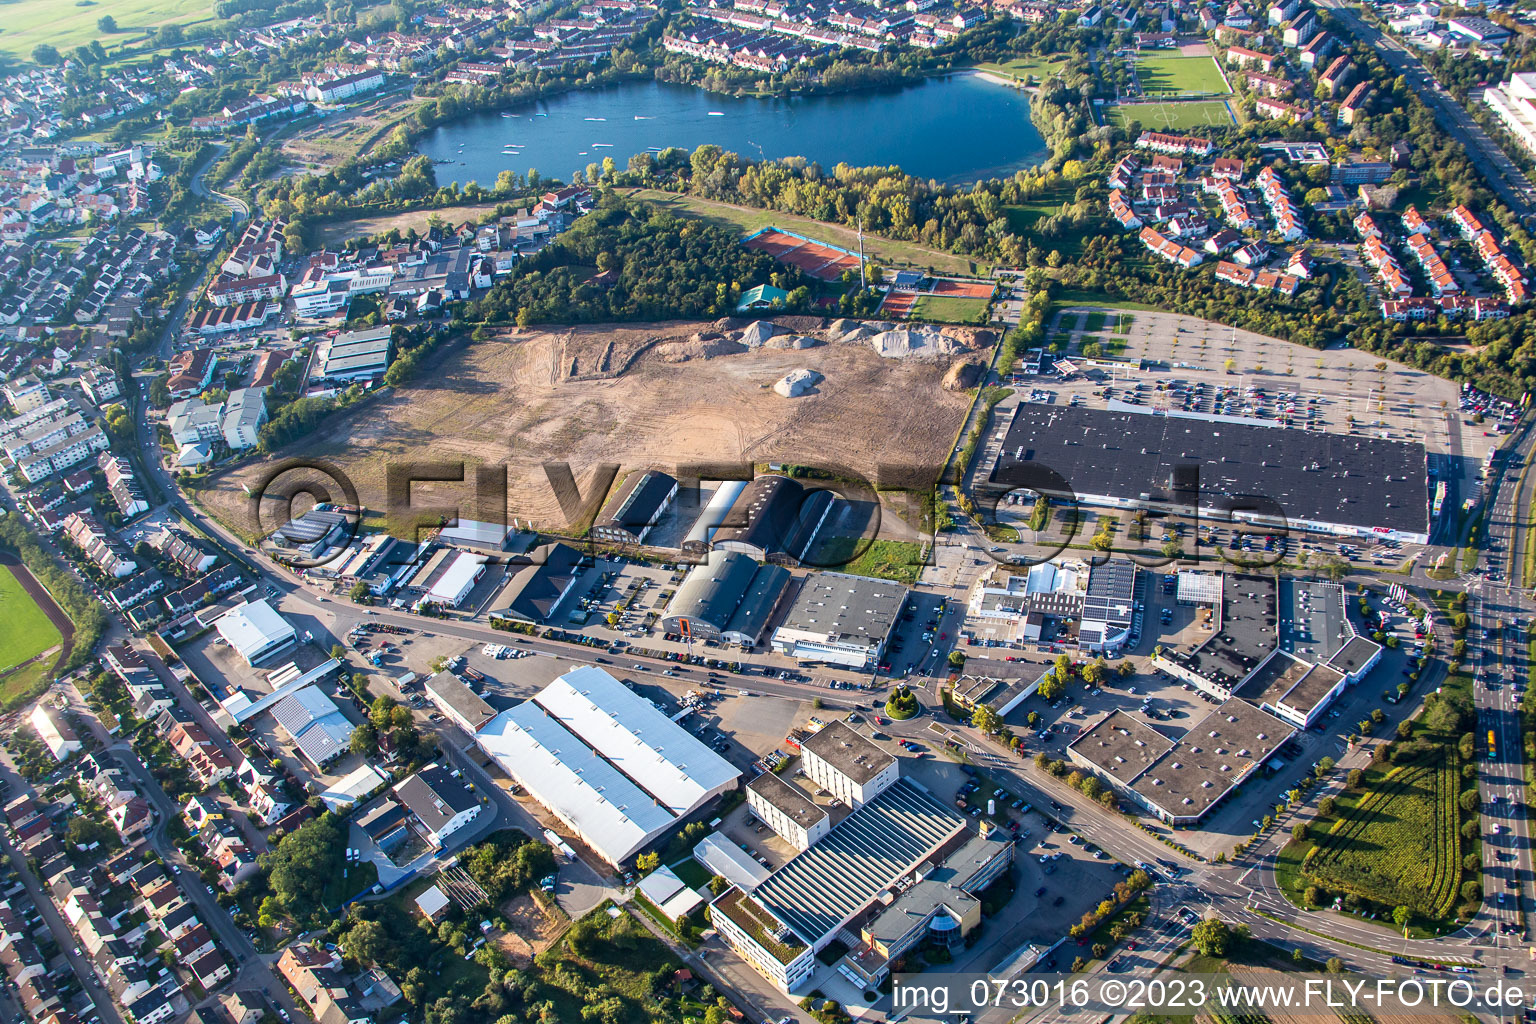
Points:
(956, 129)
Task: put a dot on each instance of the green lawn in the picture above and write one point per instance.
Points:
(1023, 67)
(66, 24)
(880, 250)
(1122, 324)
(948, 309)
(1024, 219)
(1095, 322)
(898, 560)
(27, 631)
(1181, 115)
(1172, 72)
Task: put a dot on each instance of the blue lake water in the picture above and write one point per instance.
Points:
(955, 129)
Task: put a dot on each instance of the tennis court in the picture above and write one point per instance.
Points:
(962, 289)
(823, 262)
(898, 305)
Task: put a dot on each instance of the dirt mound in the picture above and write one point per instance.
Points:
(796, 383)
(792, 341)
(963, 375)
(757, 334)
(697, 347)
(915, 343)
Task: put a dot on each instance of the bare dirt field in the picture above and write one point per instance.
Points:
(532, 931)
(658, 395)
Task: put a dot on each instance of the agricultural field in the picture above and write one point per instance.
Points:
(1169, 72)
(948, 309)
(1400, 844)
(65, 25)
(27, 632)
(1173, 116)
(631, 394)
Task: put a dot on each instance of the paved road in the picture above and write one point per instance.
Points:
(1503, 176)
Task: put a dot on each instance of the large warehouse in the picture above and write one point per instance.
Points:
(256, 631)
(606, 762)
(1334, 483)
(774, 519)
(841, 619)
(728, 598)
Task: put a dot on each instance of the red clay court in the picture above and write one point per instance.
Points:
(819, 261)
(962, 289)
(898, 305)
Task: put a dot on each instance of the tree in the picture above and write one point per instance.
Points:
(368, 943)
(83, 831)
(1299, 832)
(1353, 779)
(647, 862)
(1400, 917)
(1211, 937)
(1312, 896)
(365, 739)
(956, 659)
(986, 720)
(1050, 686)
(106, 23)
(1325, 807)
(301, 864)
(338, 652)
(360, 594)
(45, 54)
(1334, 965)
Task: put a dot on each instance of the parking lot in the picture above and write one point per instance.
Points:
(1180, 363)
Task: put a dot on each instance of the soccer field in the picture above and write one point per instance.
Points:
(27, 632)
(1174, 116)
(1171, 72)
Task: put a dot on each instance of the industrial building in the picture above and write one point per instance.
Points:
(318, 729)
(847, 765)
(1181, 782)
(456, 580)
(1288, 645)
(463, 706)
(786, 809)
(354, 355)
(635, 508)
(1269, 475)
(903, 841)
(1061, 601)
(256, 631)
(841, 619)
(607, 762)
(728, 598)
(774, 519)
(537, 588)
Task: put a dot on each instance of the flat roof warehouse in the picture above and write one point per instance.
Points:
(1332, 482)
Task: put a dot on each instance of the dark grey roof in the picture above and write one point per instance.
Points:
(848, 751)
(535, 589)
(713, 591)
(787, 798)
(869, 850)
(844, 607)
(776, 516)
(435, 796)
(1248, 632)
(1354, 655)
(637, 504)
(768, 585)
(1329, 478)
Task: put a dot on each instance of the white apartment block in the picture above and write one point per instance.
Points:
(1514, 104)
(25, 394)
(783, 807)
(60, 456)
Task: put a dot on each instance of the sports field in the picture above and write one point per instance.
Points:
(1172, 72)
(66, 24)
(949, 309)
(1182, 115)
(27, 631)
